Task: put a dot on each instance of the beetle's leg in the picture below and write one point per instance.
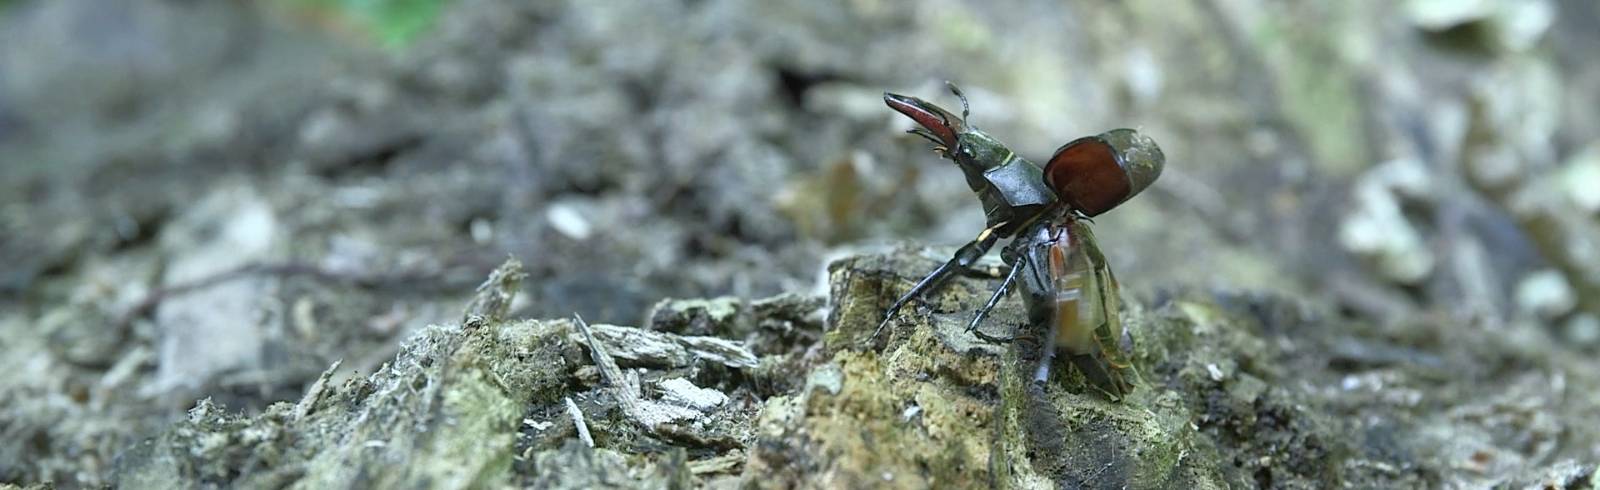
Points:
(963, 258)
(1035, 341)
(1047, 350)
(992, 338)
(1005, 286)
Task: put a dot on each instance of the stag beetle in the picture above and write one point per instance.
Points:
(1069, 291)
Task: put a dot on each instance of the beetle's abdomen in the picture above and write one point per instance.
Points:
(1096, 173)
(1069, 274)
(1072, 305)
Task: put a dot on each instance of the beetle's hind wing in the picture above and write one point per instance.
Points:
(1115, 344)
(1097, 346)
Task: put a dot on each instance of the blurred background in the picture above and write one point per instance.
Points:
(220, 198)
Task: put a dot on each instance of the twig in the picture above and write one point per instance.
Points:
(636, 347)
(577, 421)
(150, 301)
(314, 393)
(652, 416)
(726, 463)
(493, 298)
(627, 393)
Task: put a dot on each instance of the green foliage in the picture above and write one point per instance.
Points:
(393, 23)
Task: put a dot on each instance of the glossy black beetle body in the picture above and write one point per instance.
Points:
(1069, 291)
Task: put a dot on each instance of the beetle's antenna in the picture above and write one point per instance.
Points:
(957, 90)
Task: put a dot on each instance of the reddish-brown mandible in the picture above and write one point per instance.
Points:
(1096, 173)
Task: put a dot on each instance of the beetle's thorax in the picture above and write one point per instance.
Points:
(1011, 188)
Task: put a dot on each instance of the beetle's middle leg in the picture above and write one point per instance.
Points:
(1005, 286)
(963, 258)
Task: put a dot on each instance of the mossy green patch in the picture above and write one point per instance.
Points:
(392, 23)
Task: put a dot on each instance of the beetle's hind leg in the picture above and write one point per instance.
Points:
(1005, 287)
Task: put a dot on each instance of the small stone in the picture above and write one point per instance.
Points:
(568, 221)
(1580, 176)
(1583, 330)
(215, 329)
(828, 377)
(482, 231)
(1377, 229)
(1350, 383)
(80, 336)
(911, 412)
(1513, 25)
(683, 392)
(696, 316)
(1545, 293)
(1142, 73)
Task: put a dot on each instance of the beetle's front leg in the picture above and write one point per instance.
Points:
(963, 258)
(1005, 286)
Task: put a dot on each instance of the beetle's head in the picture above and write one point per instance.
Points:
(972, 150)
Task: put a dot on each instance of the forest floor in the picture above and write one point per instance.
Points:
(252, 253)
